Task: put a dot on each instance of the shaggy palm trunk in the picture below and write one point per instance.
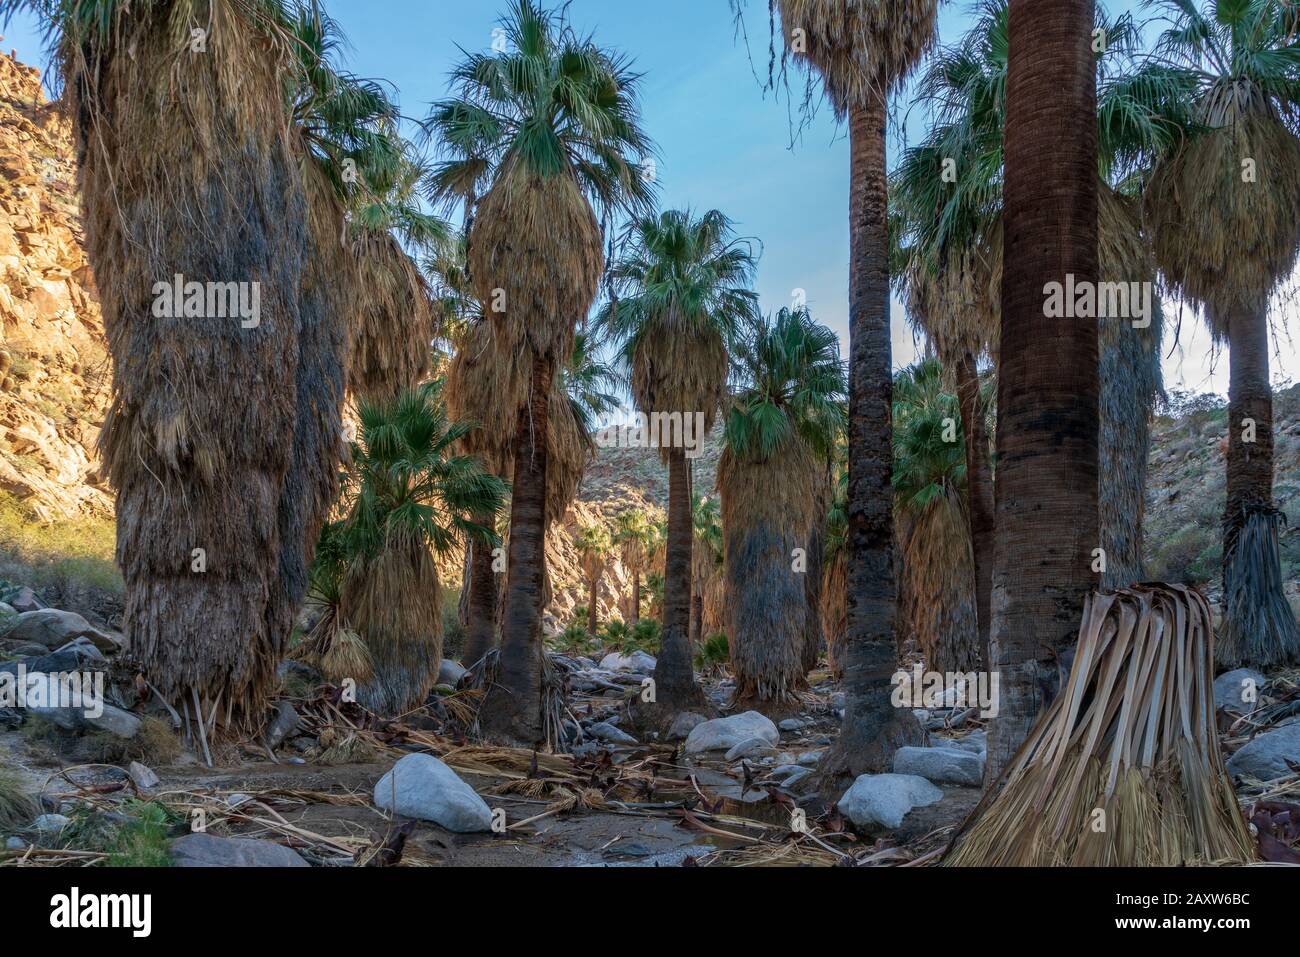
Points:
(592, 624)
(1046, 481)
(675, 687)
(480, 630)
(1130, 362)
(635, 611)
(218, 501)
(873, 729)
(979, 491)
(1259, 628)
(511, 709)
(395, 602)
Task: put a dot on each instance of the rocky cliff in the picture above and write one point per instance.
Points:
(55, 378)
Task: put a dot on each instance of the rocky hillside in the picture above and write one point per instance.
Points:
(54, 389)
(54, 384)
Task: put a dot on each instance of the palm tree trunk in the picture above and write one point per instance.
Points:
(697, 617)
(979, 490)
(1259, 627)
(675, 687)
(1250, 399)
(812, 588)
(1130, 366)
(636, 597)
(480, 630)
(511, 710)
(873, 729)
(592, 612)
(1046, 481)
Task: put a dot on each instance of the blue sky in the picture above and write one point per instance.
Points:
(723, 142)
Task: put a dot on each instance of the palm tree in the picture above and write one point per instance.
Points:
(634, 534)
(592, 544)
(556, 117)
(861, 49)
(679, 293)
(485, 384)
(218, 501)
(937, 588)
(350, 127)
(951, 271)
(413, 499)
(779, 433)
(1225, 207)
(1047, 437)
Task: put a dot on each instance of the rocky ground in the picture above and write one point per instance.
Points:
(326, 784)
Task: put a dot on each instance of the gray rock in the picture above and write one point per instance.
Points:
(291, 668)
(750, 748)
(15, 844)
(285, 723)
(605, 731)
(88, 656)
(810, 757)
(142, 777)
(793, 724)
(421, 786)
(883, 800)
(683, 725)
(7, 609)
(1265, 756)
(51, 823)
(54, 629)
(723, 734)
(975, 742)
(24, 599)
(56, 662)
(208, 850)
(941, 765)
(638, 662)
(449, 673)
(1238, 690)
(89, 716)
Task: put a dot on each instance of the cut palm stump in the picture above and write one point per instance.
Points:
(1123, 769)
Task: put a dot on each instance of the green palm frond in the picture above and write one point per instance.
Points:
(791, 384)
(555, 102)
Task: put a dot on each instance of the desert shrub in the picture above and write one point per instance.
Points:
(1190, 556)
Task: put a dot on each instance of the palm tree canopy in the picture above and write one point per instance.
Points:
(555, 104)
(792, 387)
(859, 48)
(1225, 202)
(929, 450)
(680, 295)
(409, 486)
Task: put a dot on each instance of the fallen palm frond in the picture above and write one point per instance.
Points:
(1123, 769)
(1259, 627)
